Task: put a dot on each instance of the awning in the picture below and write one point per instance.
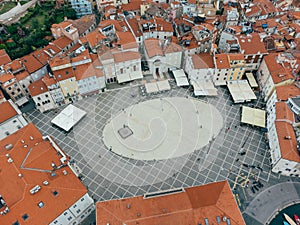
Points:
(151, 87)
(180, 78)
(251, 80)
(240, 91)
(154, 87)
(69, 117)
(163, 85)
(256, 117)
(204, 88)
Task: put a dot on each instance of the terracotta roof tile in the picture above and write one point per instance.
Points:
(58, 61)
(38, 155)
(153, 47)
(105, 23)
(278, 72)
(7, 111)
(131, 6)
(251, 44)
(287, 91)
(22, 75)
(283, 112)
(191, 206)
(62, 42)
(222, 61)
(4, 57)
(126, 40)
(94, 38)
(64, 74)
(126, 56)
(135, 27)
(287, 141)
(52, 49)
(84, 23)
(84, 71)
(6, 77)
(203, 61)
(37, 87)
(14, 66)
(48, 80)
(31, 63)
(42, 56)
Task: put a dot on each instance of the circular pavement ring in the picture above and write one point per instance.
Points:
(158, 143)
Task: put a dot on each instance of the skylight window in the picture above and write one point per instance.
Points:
(41, 204)
(25, 216)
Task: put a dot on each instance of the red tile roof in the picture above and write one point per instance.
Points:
(62, 42)
(131, 6)
(94, 38)
(32, 159)
(31, 63)
(82, 56)
(278, 72)
(287, 141)
(126, 40)
(64, 74)
(4, 57)
(84, 71)
(37, 87)
(251, 44)
(191, 206)
(126, 56)
(6, 77)
(48, 80)
(203, 61)
(7, 111)
(105, 23)
(283, 112)
(41, 56)
(133, 23)
(22, 75)
(222, 61)
(287, 91)
(14, 66)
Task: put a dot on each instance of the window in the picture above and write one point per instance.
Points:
(121, 71)
(70, 217)
(65, 213)
(16, 223)
(134, 68)
(38, 104)
(55, 193)
(7, 133)
(41, 204)
(46, 96)
(25, 216)
(14, 121)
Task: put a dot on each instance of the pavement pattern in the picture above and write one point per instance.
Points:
(110, 176)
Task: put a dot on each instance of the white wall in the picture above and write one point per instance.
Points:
(76, 213)
(44, 102)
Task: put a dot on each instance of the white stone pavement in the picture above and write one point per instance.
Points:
(163, 128)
